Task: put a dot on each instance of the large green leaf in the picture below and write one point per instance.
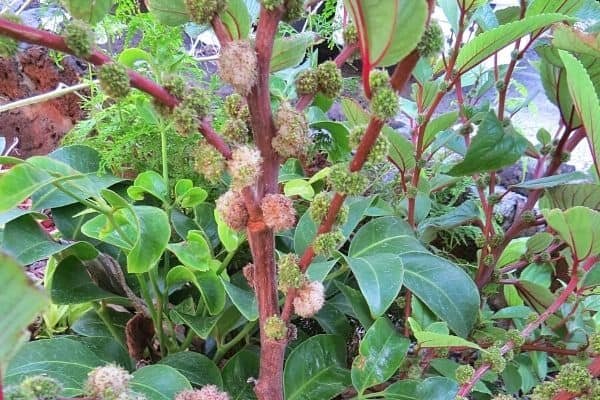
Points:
(489, 42)
(586, 102)
(236, 19)
(25, 240)
(237, 372)
(579, 227)
(388, 29)
(552, 181)
(493, 147)
(290, 51)
(107, 349)
(195, 252)
(447, 290)
(466, 212)
(197, 368)
(567, 7)
(573, 40)
(149, 182)
(244, 300)
(159, 382)
(438, 124)
(90, 11)
(567, 196)
(315, 369)
(433, 339)
(402, 390)
(554, 80)
(65, 360)
(381, 352)
(71, 284)
(202, 326)
(437, 388)
(169, 12)
(20, 301)
(20, 182)
(154, 233)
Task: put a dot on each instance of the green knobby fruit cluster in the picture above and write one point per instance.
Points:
(384, 100)
(345, 182)
(37, 387)
(494, 358)
(378, 152)
(432, 41)
(528, 216)
(271, 4)
(275, 328)
(350, 34)
(307, 82)
(294, 9)
(330, 79)
(188, 113)
(203, 11)
(289, 274)
(464, 373)
(114, 80)
(79, 38)
(208, 162)
(574, 378)
(319, 207)
(236, 129)
(516, 338)
(326, 243)
(594, 342)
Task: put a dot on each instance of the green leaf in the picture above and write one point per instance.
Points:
(432, 339)
(567, 196)
(169, 12)
(67, 361)
(130, 56)
(539, 242)
(354, 305)
(552, 181)
(586, 102)
(466, 212)
(159, 382)
(381, 352)
(20, 302)
(388, 29)
(318, 270)
(149, 182)
(567, 38)
(567, 7)
(90, 324)
(193, 197)
(437, 125)
(437, 388)
(289, 51)
(339, 148)
(18, 183)
(487, 43)
(401, 150)
(402, 390)
(236, 19)
(579, 227)
(315, 369)
(212, 290)
(299, 187)
(194, 252)
(244, 300)
(107, 349)
(100, 228)
(27, 242)
(202, 326)
(228, 237)
(154, 233)
(493, 147)
(90, 11)
(71, 284)
(197, 368)
(237, 372)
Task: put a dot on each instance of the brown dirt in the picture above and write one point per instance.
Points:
(39, 127)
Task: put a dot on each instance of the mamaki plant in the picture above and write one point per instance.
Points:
(289, 275)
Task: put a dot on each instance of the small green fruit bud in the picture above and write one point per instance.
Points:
(309, 299)
(79, 38)
(307, 82)
(594, 341)
(545, 391)
(421, 163)
(342, 216)
(346, 182)
(185, 120)
(319, 207)
(114, 80)
(432, 41)
(488, 260)
(514, 55)
(565, 156)
(294, 9)
(350, 34)
(497, 239)
(464, 373)
(411, 191)
(546, 149)
(198, 100)
(514, 336)
(330, 79)
(235, 107)
(528, 216)
(574, 378)
(326, 243)
(235, 131)
(500, 85)
(292, 138)
(244, 167)
(275, 328)
(493, 357)
(384, 103)
(208, 162)
(238, 65)
(39, 387)
(356, 135)
(230, 206)
(379, 79)
(414, 372)
(174, 85)
(278, 212)
(379, 151)
(203, 11)
(545, 257)
(289, 273)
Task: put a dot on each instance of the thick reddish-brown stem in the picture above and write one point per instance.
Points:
(50, 40)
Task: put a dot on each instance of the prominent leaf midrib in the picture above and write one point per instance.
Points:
(370, 374)
(369, 247)
(313, 378)
(376, 278)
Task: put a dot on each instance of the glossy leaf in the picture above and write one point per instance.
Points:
(586, 102)
(244, 300)
(236, 373)
(579, 227)
(202, 326)
(107, 349)
(102, 229)
(159, 382)
(437, 388)
(567, 7)
(539, 242)
(381, 353)
(197, 368)
(567, 196)
(290, 51)
(318, 271)
(65, 360)
(169, 12)
(154, 233)
(315, 369)
(212, 290)
(18, 183)
(149, 182)
(487, 43)
(552, 181)
(20, 302)
(433, 339)
(27, 242)
(236, 19)
(90, 11)
(388, 29)
(194, 252)
(438, 124)
(493, 147)
(402, 390)
(129, 57)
